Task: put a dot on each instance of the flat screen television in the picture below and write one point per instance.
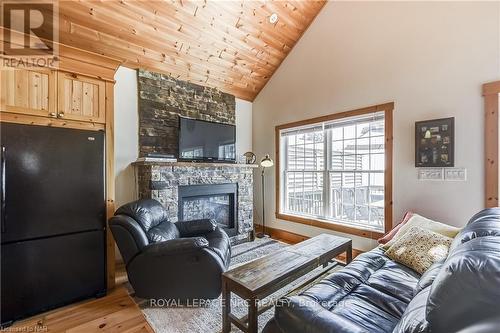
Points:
(206, 141)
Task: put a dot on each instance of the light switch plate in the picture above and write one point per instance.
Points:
(430, 174)
(446, 174)
(455, 174)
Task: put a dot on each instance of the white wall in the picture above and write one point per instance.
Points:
(126, 134)
(429, 58)
(243, 115)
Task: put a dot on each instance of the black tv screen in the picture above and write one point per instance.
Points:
(201, 140)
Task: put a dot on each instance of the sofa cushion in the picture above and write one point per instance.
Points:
(147, 212)
(413, 319)
(429, 276)
(419, 249)
(272, 327)
(297, 314)
(163, 232)
(466, 290)
(370, 294)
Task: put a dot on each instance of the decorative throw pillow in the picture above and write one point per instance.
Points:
(424, 223)
(390, 235)
(419, 248)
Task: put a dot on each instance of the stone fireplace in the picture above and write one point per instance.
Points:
(202, 190)
(188, 190)
(211, 201)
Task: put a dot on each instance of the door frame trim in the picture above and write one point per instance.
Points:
(491, 94)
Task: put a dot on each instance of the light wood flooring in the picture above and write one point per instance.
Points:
(116, 312)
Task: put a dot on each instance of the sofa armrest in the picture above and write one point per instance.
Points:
(175, 246)
(196, 227)
(129, 236)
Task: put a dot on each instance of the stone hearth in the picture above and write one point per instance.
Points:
(161, 181)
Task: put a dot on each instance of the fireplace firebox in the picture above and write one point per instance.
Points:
(212, 201)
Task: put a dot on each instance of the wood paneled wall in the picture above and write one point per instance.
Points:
(230, 45)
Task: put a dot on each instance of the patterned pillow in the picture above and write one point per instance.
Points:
(424, 223)
(419, 248)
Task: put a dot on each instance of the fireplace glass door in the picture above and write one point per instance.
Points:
(217, 207)
(214, 201)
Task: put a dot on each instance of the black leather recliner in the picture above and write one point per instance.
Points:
(377, 295)
(179, 261)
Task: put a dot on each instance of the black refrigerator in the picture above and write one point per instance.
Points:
(52, 218)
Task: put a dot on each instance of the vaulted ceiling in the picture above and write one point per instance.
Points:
(227, 44)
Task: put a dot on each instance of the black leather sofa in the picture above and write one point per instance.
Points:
(376, 294)
(180, 261)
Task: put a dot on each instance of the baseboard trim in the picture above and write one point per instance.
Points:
(293, 238)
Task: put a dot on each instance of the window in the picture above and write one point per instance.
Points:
(333, 170)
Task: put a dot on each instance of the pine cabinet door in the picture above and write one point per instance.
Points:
(30, 92)
(81, 98)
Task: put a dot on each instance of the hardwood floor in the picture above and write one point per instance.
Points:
(116, 312)
(120, 274)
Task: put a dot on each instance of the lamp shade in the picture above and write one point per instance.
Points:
(266, 162)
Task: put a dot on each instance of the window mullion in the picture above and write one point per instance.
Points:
(284, 184)
(355, 173)
(327, 138)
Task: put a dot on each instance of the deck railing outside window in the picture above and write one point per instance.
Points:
(335, 171)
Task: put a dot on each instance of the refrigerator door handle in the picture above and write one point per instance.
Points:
(3, 190)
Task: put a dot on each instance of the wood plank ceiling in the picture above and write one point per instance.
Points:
(227, 44)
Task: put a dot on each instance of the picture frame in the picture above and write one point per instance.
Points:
(435, 143)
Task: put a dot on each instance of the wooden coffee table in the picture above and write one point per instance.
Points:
(262, 277)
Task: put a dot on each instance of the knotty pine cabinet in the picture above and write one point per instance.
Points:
(31, 92)
(53, 94)
(81, 98)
